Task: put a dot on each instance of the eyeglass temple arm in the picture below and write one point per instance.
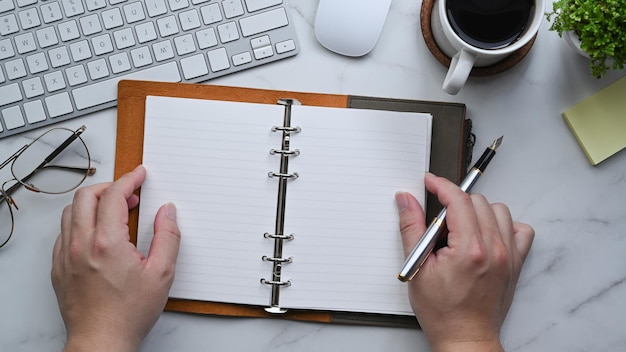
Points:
(60, 148)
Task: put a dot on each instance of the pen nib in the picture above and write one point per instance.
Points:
(496, 143)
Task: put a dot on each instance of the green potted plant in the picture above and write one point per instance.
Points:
(599, 26)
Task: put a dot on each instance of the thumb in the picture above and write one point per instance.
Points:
(166, 240)
(412, 224)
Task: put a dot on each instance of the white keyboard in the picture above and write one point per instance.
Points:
(61, 59)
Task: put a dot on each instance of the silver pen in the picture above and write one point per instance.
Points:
(426, 244)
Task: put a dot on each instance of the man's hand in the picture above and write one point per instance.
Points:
(109, 294)
(463, 292)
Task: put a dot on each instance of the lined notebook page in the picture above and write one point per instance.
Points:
(211, 159)
(347, 249)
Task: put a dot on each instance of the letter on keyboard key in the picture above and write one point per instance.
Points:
(263, 22)
(106, 91)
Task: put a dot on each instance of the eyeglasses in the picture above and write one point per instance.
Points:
(54, 163)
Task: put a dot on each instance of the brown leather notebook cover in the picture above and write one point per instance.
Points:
(451, 147)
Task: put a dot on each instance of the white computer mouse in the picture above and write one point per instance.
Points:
(350, 27)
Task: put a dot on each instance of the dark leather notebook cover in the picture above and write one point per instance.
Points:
(449, 155)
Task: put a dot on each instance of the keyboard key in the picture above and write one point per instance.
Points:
(218, 59)
(156, 7)
(90, 24)
(124, 38)
(76, 75)
(34, 111)
(73, 7)
(163, 50)
(232, 8)
(29, 18)
(134, 12)
(33, 87)
(97, 69)
(263, 22)
(59, 57)
(80, 50)
(119, 62)
(9, 24)
(206, 38)
(211, 13)
(54, 81)
(15, 69)
(106, 91)
(243, 58)
(25, 43)
(184, 44)
(256, 5)
(6, 5)
(228, 32)
(141, 56)
(194, 66)
(112, 18)
(93, 5)
(69, 31)
(176, 5)
(37, 63)
(47, 37)
(285, 46)
(189, 20)
(13, 117)
(51, 12)
(6, 49)
(59, 104)
(263, 52)
(10, 94)
(167, 26)
(102, 44)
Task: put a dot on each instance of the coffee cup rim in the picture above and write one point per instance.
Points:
(530, 32)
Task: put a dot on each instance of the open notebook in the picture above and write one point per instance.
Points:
(301, 215)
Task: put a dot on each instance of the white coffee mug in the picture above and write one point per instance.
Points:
(464, 55)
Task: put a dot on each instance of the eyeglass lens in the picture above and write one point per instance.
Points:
(56, 162)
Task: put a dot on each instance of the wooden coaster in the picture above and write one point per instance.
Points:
(505, 64)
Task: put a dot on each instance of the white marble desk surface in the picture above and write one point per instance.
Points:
(571, 294)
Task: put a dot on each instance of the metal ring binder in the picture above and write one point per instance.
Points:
(284, 237)
(279, 283)
(277, 260)
(278, 236)
(295, 129)
(294, 152)
(282, 176)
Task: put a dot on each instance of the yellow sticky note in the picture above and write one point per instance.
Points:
(599, 122)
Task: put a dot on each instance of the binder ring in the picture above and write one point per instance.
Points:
(276, 283)
(277, 260)
(283, 237)
(295, 152)
(281, 175)
(295, 129)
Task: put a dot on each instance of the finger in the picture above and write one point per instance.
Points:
(461, 217)
(166, 241)
(524, 235)
(486, 219)
(66, 224)
(505, 224)
(114, 200)
(84, 209)
(412, 225)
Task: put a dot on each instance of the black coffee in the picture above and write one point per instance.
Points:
(489, 24)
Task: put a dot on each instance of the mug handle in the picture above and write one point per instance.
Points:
(458, 72)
